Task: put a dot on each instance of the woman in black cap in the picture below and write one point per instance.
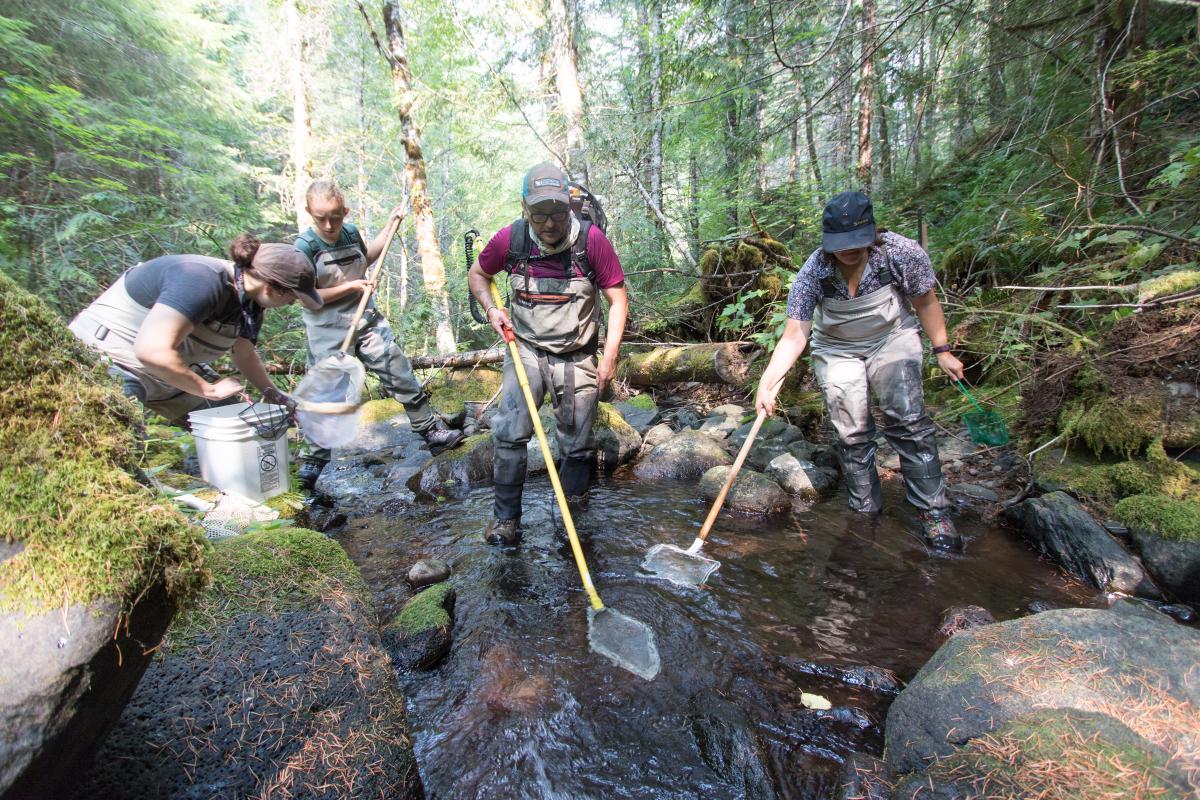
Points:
(166, 319)
(856, 296)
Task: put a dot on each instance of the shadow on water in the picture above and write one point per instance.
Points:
(521, 708)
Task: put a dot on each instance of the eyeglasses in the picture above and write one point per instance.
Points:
(557, 216)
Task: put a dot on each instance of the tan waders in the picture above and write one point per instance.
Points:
(872, 344)
(375, 345)
(111, 324)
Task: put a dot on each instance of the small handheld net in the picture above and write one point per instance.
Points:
(985, 427)
(627, 642)
(329, 398)
(268, 421)
(678, 565)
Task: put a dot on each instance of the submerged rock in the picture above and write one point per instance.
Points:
(751, 493)
(420, 635)
(1061, 528)
(276, 685)
(730, 747)
(802, 478)
(469, 464)
(686, 455)
(428, 571)
(961, 618)
(1129, 666)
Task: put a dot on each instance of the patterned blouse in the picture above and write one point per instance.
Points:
(911, 269)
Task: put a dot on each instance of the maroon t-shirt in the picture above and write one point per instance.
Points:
(600, 255)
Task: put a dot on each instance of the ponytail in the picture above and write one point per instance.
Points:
(242, 250)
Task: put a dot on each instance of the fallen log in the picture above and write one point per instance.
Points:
(722, 362)
(468, 358)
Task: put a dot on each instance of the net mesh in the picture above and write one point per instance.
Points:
(268, 421)
(678, 566)
(337, 379)
(986, 427)
(625, 641)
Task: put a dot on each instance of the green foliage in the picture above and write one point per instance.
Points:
(70, 441)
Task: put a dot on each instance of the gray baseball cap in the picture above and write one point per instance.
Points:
(543, 183)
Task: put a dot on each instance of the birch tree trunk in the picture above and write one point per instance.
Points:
(656, 102)
(433, 270)
(570, 94)
(301, 119)
(866, 85)
(812, 143)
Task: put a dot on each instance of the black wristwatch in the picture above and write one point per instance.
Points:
(944, 348)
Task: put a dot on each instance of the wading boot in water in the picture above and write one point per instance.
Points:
(940, 532)
(578, 503)
(308, 472)
(503, 532)
(439, 438)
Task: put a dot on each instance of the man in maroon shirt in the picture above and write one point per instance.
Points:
(557, 264)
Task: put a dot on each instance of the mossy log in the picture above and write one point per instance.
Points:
(722, 362)
(469, 358)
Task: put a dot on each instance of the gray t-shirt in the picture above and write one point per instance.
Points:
(911, 270)
(199, 287)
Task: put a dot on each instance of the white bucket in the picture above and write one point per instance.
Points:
(234, 458)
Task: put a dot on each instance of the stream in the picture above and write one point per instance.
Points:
(803, 602)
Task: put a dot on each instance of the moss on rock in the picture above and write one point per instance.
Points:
(1122, 425)
(452, 386)
(1165, 516)
(380, 410)
(70, 443)
(269, 572)
(643, 401)
(427, 611)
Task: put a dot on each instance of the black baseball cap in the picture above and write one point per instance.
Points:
(848, 223)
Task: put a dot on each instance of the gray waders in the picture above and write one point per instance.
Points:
(557, 322)
(872, 344)
(111, 324)
(375, 346)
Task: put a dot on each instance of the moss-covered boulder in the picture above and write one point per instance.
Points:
(92, 563)
(685, 456)
(274, 685)
(1050, 753)
(1063, 530)
(419, 636)
(469, 464)
(451, 387)
(751, 493)
(615, 440)
(1166, 532)
(1012, 680)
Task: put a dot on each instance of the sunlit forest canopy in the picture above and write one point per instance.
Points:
(1036, 143)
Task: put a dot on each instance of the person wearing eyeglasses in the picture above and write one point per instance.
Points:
(337, 250)
(165, 320)
(557, 265)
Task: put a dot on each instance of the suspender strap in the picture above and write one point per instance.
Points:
(830, 285)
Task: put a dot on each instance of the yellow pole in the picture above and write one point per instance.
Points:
(511, 338)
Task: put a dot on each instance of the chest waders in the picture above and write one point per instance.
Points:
(111, 324)
(872, 344)
(374, 345)
(557, 323)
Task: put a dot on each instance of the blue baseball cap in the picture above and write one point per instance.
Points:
(848, 223)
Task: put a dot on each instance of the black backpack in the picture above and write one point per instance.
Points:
(587, 206)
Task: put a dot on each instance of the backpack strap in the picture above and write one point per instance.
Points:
(519, 246)
(579, 257)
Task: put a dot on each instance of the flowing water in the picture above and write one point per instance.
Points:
(521, 709)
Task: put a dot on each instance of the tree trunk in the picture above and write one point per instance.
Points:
(301, 119)
(995, 62)
(812, 143)
(866, 86)
(656, 102)
(469, 358)
(570, 93)
(725, 362)
(694, 206)
(760, 146)
(433, 271)
(885, 144)
(794, 132)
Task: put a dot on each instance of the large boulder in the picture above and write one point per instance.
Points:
(686, 455)
(275, 685)
(751, 493)
(1130, 664)
(802, 478)
(1166, 532)
(615, 440)
(640, 411)
(469, 464)
(1063, 530)
(419, 637)
(92, 564)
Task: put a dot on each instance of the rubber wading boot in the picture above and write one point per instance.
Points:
(439, 438)
(940, 532)
(504, 532)
(308, 472)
